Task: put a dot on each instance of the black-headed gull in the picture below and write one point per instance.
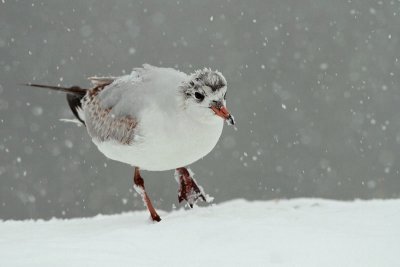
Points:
(154, 119)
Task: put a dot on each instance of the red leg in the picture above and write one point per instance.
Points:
(188, 189)
(138, 184)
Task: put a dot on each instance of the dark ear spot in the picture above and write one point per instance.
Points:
(191, 83)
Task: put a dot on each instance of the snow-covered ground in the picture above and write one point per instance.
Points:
(299, 232)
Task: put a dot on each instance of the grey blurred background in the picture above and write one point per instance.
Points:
(313, 86)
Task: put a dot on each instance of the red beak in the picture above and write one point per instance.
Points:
(223, 113)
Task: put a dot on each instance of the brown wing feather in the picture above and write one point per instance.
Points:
(102, 124)
(102, 81)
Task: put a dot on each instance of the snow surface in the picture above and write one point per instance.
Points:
(299, 232)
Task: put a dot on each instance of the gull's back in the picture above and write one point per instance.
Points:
(132, 94)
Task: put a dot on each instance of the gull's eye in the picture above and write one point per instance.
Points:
(199, 96)
(225, 96)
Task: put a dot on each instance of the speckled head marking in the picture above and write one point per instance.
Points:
(205, 96)
(206, 77)
(204, 83)
(213, 79)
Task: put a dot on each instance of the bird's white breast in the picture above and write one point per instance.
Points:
(165, 143)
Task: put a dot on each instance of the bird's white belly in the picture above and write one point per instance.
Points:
(163, 148)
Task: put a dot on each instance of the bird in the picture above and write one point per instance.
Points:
(154, 119)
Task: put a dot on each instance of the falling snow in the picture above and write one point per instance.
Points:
(313, 89)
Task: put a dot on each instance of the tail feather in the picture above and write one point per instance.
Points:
(75, 90)
(75, 104)
(74, 96)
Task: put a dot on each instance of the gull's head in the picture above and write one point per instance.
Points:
(205, 97)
